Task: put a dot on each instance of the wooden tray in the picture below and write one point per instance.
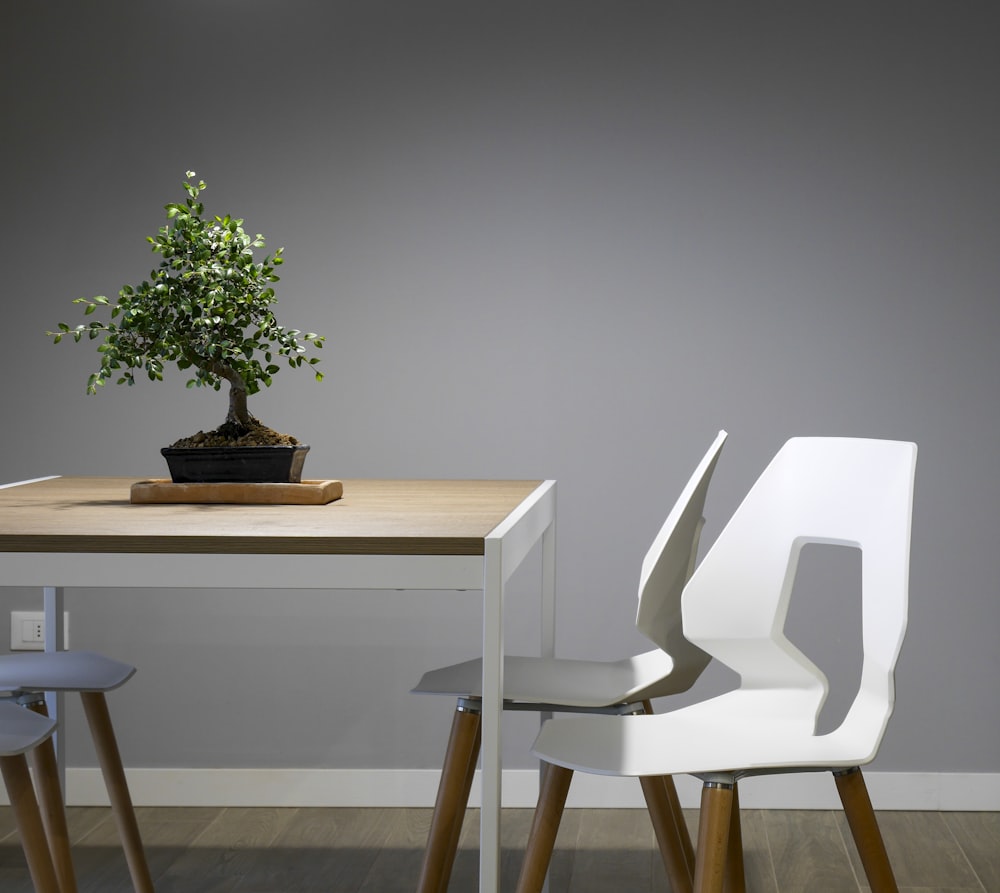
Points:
(305, 493)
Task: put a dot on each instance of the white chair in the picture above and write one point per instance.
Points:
(836, 491)
(554, 684)
(22, 731)
(27, 676)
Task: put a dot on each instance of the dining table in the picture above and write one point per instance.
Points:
(61, 532)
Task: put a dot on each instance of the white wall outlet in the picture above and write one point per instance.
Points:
(27, 630)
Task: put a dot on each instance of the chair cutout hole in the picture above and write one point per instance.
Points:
(824, 622)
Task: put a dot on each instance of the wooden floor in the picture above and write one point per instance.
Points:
(378, 851)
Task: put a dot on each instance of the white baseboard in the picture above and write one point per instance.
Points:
(950, 791)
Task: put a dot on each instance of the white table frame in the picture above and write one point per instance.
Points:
(506, 546)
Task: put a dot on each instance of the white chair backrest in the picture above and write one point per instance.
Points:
(840, 491)
(668, 566)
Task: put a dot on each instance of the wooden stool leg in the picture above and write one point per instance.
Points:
(52, 806)
(452, 800)
(713, 837)
(544, 827)
(865, 831)
(95, 707)
(736, 881)
(679, 873)
(29, 823)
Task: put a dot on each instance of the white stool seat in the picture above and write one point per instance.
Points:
(62, 671)
(21, 730)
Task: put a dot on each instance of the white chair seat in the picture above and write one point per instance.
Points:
(62, 671)
(558, 681)
(719, 734)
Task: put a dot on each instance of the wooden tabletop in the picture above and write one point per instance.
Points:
(374, 517)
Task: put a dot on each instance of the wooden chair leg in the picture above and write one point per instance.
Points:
(52, 806)
(735, 881)
(714, 827)
(677, 849)
(456, 828)
(452, 800)
(552, 794)
(865, 831)
(29, 823)
(95, 707)
(668, 835)
(679, 822)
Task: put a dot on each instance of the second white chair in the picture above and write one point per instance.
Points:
(582, 686)
(842, 492)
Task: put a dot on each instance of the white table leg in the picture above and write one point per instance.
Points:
(504, 550)
(52, 604)
(489, 831)
(548, 620)
(548, 605)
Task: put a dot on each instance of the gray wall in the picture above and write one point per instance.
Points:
(559, 239)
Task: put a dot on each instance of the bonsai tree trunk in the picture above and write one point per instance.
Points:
(238, 414)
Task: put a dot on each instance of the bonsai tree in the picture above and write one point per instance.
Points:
(206, 308)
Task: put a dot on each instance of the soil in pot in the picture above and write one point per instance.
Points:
(232, 434)
(236, 453)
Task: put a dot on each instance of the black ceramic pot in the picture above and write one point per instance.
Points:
(238, 464)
